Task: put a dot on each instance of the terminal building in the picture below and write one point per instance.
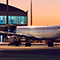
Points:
(16, 17)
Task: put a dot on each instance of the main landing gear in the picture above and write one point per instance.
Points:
(50, 43)
(27, 42)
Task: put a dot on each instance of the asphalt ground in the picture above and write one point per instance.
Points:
(35, 52)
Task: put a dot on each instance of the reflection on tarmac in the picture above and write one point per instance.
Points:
(35, 52)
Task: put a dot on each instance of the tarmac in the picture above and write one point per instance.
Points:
(35, 52)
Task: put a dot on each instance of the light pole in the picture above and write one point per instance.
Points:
(7, 10)
(31, 12)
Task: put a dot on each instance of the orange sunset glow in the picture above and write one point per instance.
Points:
(44, 12)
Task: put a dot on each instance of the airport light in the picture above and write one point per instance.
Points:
(7, 11)
(31, 12)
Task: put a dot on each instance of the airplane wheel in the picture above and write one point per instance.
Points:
(52, 45)
(58, 44)
(28, 44)
(48, 45)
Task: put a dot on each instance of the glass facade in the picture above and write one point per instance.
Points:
(13, 20)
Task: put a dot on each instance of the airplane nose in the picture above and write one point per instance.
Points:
(58, 32)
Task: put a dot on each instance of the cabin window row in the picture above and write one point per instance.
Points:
(34, 30)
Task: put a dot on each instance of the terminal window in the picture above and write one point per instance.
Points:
(13, 20)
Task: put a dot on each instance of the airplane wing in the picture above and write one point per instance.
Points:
(7, 33)
(11, 33)
(20, 34)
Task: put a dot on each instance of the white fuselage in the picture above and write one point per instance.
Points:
(40, 31)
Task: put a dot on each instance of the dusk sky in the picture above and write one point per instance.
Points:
(45, 12)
